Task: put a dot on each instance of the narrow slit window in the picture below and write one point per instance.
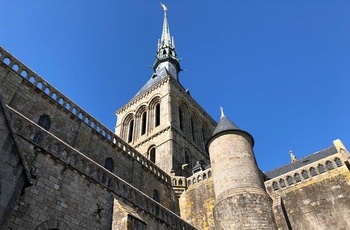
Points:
(181, 118)
(131, 130)
(157, 121)
(143, 123)
(152, 154)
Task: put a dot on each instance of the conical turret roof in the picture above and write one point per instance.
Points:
(224, 124)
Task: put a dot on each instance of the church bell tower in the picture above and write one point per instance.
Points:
(162, 121)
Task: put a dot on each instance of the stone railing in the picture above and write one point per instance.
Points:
(198, 177)
(305, 173)
(64, 153)
(63, 101)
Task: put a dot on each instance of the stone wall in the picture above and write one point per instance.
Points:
(68, 162)
(14, 173)
(313, 200)
(30, 95)
(71, 188)
(197, 202)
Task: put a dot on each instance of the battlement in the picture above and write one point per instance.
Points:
(74, 110)
(62, 152)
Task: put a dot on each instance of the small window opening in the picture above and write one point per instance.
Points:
(313, 171)
(131, 130)
(321, 168)
(156, 195)
(338, 162)
(282, 183)
(109, 164)
(152, 155)
(181, 118)
(329, 165)
(275, 185)
(143, 125)
(157, 115)
(192, 129)
(44, 121)
(305, 174)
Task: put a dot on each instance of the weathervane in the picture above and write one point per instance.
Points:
(164, 7)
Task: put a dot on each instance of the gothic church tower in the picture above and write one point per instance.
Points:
(162, 121)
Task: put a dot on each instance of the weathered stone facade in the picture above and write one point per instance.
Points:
(60, 168)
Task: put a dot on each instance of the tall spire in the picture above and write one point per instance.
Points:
(166, 63)
(166, 38)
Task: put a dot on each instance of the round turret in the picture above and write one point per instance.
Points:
(241, 201)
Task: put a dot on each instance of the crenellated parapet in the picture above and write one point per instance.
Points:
(62, 152)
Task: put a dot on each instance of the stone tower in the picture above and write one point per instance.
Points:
(241, 201)
(162, 121)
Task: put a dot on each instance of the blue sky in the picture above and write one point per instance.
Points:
(280, 69)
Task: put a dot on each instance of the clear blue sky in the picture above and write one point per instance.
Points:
(280, 69)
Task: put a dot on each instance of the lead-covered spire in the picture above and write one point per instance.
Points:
(167, 62)
(166, 39)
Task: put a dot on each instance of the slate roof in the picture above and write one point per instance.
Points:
(225, 124)
(301, 162)
(156, 77)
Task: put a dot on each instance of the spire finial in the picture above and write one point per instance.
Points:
(166, 38)
(292, 156)
(164, 7)
(222, 111)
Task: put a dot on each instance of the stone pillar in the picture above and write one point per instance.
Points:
(241, 201)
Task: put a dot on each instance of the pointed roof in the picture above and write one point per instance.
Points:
(166, 38)
(224, 124)
(166, 63)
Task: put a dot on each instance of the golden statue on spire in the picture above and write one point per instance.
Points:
(164, 6)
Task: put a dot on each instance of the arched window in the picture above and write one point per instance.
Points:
(289, 180)
(321, 168)
(152, 154)
(313, 171)
(44, 121)
(109, 164)
(338, 162)
(37, 138)
(329, 165)
(181, 118)
(192, 129)
(282, 183)
(297, 177)
(305, 174)
(187, 158)
(143, 123)
(275, 185)
(156, 195)
(131, 130)
(157, 117)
